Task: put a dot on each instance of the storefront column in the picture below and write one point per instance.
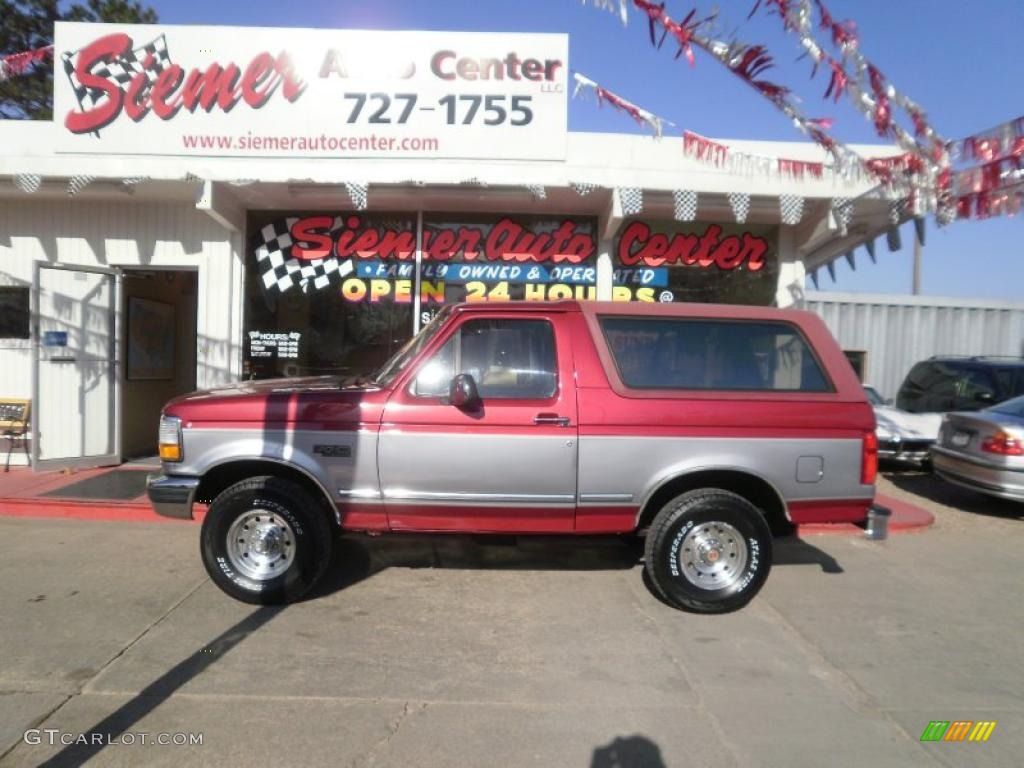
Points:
(604, 270)
(792, 274)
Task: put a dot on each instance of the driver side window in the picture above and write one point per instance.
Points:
(507, 359)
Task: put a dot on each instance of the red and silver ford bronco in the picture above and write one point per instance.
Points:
(704, 427)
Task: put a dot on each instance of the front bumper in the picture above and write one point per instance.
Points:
(978, 475)
(172, 495)
(911, 451)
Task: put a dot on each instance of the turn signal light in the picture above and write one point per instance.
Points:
(1004, 444)
(869, 459)
(169, 439)
(170, 452)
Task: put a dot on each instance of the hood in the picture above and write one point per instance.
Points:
(918, 426)
(323, 402)
(286, 385)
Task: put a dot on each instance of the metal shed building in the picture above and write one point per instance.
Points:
(889, 333)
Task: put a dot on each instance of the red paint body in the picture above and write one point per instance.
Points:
(590, 394)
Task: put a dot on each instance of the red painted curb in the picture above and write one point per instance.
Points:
(906, 518)
(84, 510)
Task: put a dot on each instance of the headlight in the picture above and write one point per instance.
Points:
(169, 439)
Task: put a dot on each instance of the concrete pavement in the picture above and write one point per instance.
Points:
(439, 651)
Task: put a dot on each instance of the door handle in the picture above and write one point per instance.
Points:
(551, 418)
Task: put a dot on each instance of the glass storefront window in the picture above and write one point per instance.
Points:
(334, 293)
(713, 263)
(313, 306)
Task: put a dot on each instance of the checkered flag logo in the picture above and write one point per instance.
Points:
(791, 209)
(279, 272)
(740, 204)
(632, 200)
(685, 203)
(149, 60)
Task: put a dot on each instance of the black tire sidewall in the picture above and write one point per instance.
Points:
(293, 505)
(683, 515)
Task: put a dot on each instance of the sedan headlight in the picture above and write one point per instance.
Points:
(169, 439)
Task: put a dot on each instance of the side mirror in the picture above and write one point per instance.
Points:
(984, 397)
(463, 393)
(889, 401)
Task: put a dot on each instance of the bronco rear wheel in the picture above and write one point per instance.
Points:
(708, 551)
(266, 540)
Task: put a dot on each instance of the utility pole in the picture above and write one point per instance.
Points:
(917, 265)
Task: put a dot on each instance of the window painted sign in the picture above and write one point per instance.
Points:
(695, 261)
(373, 259)
(263, 92)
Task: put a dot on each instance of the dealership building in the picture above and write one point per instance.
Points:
(210, 205)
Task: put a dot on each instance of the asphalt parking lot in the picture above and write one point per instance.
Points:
(439, 651)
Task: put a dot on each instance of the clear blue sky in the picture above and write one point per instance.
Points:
(959, 60)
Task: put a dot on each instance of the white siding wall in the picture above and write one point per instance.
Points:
(898, 331)
(133, 235)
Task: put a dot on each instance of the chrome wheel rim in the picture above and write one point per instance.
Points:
(713, 555)
(261, 544)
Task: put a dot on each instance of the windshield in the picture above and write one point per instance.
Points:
(1013, 407)
(873, 397)
(390, 370)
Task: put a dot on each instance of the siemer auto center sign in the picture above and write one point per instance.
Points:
(262, 92)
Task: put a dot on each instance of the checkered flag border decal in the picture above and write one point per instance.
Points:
(632, 200)
(897, 210)
(740, 204)
(279, 272)
(28, 182)
(791, 209)
(582, 188)
(842, 207)
(357, 193)
(121, 71)
(685, 204)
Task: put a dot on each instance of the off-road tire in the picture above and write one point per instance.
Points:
(664, 556)
(310, 534)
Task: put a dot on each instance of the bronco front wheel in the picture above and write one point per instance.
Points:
(708, 551)
(265, 540)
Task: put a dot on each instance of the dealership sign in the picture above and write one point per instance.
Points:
(262, 92)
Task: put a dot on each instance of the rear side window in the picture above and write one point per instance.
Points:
(1011, 381)
(680, 353)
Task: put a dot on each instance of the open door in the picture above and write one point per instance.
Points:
(76, 378)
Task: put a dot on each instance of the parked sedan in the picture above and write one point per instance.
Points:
(984, 450)
(902, 436)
